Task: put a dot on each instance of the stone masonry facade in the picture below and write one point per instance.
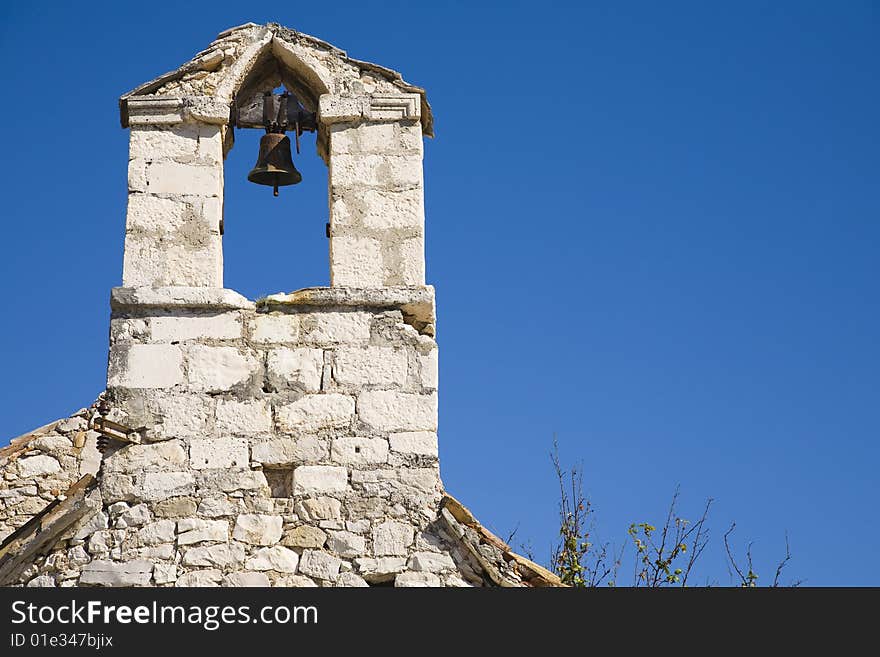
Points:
(288, 441)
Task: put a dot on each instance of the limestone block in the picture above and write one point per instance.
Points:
(211, 142)
(222, 326)
(90, 457)
(216, 507)
(358, 526)
(157, 215)
(41, 581)
(220, 556)
(176, 263)
(336, 327)
(289, 449)
(333, 108)
(351, 580)
(17, 492)
(374, 138)
(314, 412)
(128, 330)
(295, 368)
(166, 455)
(156, 533)
(179, 142)
(136, 515)
(392, 538)
(145, 366)
(416, 580)
(378, 209)
(319, 564)
(211, 299)
(355, 450)
(278, 451)
(164, 551)
(164, 573)
(175, 507)
(419, 443)
(158, 486)
(431, 562)
(181, 415)
(37, 466)
(411, 259)
(387, 410)
(71, 424)
(218, 369)
(316, 479)
(356, 261)
(196, 530)
(78, 556)
(252, 580)
(277, 558)
(232, 480)
(206, 453)
(243, 418)
(115, 487)
(211, 215)
(96, 523)
(322, 508)
(346, 544)
(275, 328)
(394, 106)
(165, 177)
(111, 573)
(429, 370)
(385, 170)
(362, 366)
(305, 536)
(424, 480)
(257, 529)
(295, 581)
(200, 578)
(137, 174)
(379, 569)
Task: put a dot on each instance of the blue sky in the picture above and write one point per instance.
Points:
(653, 229)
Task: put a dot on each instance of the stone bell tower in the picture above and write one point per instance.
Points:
(290, 441)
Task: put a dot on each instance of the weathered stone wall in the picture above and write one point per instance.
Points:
(370, 127)
(293, 445)
(175, 205)
(39, 466)
(377, 217)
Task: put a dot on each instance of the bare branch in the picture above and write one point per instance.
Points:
(782, 563)
(700, 541)
(730, 553)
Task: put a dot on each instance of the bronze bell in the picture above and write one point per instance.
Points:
(274, 165)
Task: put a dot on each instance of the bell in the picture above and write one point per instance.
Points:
(274, 165)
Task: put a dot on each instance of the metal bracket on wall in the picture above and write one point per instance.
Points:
(281, 109)
(111, 430)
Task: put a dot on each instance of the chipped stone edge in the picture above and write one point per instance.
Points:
(215, 114)
(211, 298)
(416, 303)
(456, 516)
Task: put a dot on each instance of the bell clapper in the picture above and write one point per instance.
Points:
(275, 188)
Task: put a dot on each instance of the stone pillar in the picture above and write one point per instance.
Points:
(175, 198)
(377, 217)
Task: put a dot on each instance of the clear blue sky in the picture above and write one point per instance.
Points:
(653, 229)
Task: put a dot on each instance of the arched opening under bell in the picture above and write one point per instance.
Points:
(274, 243)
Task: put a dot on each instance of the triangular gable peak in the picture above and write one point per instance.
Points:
(249, 58)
